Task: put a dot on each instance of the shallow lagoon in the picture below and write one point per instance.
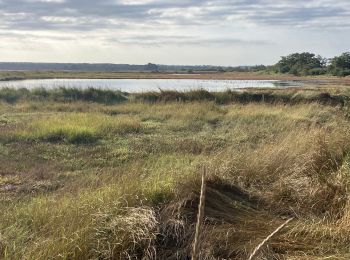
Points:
(142, 85)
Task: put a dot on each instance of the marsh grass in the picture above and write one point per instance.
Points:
(330, 96)
(134, 191)
(62, 94)
(78, 128)
(99, 221)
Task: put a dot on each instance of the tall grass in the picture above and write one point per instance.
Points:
(62, 94)
(134, 193)
(78, 127)
(114, 221)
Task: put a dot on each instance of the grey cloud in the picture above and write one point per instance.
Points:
(143, 40)
(155, 40)
(299, 15)
(289, 12)
(90, 15)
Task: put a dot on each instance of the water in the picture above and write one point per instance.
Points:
(142, 85)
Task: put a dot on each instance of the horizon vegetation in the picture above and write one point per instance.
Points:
(296, 64)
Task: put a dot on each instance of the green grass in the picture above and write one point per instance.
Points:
(89, 180)
(62, 94)
(329, 95)
(78, 127)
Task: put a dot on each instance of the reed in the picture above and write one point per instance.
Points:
(200, 217)
(256, 250)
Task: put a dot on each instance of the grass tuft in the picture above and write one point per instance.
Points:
(78, 128)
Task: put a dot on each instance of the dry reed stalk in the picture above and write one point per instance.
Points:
(256, 250)
(196, 251)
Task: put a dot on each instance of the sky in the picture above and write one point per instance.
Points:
(186, 32)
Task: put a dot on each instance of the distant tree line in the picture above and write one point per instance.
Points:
(149, 67)
(201, 68)
(302, 64)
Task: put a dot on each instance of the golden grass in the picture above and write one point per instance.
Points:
(80, 226)
(135, 193)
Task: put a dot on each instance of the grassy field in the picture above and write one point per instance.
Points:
(107, 175)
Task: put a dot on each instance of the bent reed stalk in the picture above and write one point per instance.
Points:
(200, 216)
(256, 250)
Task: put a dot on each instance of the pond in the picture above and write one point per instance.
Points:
(142, 85)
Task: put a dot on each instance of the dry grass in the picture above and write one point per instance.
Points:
(134, 192)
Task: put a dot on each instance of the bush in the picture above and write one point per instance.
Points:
(341, 72)
(317, 71)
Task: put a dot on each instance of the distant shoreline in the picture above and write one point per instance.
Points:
(22, 75)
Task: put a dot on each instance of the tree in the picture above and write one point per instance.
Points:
(301, 64)
(340, 65)
(151, 67)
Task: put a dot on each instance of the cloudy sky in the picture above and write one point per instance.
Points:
(218, 32)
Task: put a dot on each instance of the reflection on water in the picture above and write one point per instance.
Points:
(141, 85)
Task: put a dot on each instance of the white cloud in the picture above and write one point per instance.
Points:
(46, 1)
(60, 19)
(135, 2)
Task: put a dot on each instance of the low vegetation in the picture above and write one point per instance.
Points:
(62, 94)
(303, 64)
(89, 179)
(77, 127)
(334, 96)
